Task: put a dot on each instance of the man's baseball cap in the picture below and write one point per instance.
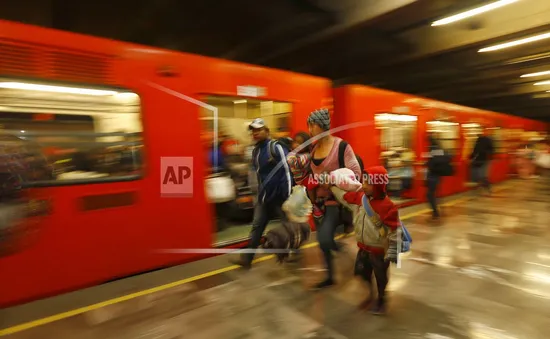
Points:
(257, 123)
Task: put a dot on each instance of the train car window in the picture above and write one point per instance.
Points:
(78, 135)
(234, 149)
(447, 133)
(397, 131)
(397, 135)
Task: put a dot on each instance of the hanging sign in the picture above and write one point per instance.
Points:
(251, 91)
(401, 109)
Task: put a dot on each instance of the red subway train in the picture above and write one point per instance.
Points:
(111, 118)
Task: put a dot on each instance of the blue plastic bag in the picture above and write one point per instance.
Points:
(406, 239)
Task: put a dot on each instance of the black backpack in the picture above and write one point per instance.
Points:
(341, 154)
(273, 151)
(346, 217)
(441, 164)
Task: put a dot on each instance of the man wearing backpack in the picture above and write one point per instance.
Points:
(481, 157)
(274, 184)
(439, 165)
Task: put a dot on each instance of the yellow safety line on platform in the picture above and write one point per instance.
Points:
(81, 310)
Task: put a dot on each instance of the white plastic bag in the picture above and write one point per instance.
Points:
(543, 160)
(345, 179)
(220, 189)
(298, 207)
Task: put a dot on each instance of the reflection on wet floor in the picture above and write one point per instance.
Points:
(483, 273)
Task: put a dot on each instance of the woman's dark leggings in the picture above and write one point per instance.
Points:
(325, 235)
(367, 263)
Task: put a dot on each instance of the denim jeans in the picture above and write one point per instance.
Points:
(368, 263)
(325, 235)
(432, 181)
(481, 175)
(263, 213)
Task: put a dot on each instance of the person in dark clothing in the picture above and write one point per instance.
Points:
(433, 178)
(274, 185)
(480, 160)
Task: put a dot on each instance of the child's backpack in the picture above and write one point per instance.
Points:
(404, 245)
(406, 239)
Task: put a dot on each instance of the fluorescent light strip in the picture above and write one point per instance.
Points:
(535, 74)
(542, 83)
(473, 12)
(516, 43)
(56, 89)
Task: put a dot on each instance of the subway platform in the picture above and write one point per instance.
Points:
(482, 272)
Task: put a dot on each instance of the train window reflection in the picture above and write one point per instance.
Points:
(230, 158)
(397, 133)
(78, 135)
(447, 133)
(396, 130)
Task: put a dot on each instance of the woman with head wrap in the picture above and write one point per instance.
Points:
(325, 159)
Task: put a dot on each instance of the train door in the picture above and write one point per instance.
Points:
(229, 143)
(397, 142)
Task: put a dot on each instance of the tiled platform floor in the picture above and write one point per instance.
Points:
(483, 272)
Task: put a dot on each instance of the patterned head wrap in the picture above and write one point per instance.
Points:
(320, 117)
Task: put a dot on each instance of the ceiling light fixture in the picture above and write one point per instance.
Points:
(538, 74)
(542, 83)
(55, 89)
(533, 38)
(473, 12)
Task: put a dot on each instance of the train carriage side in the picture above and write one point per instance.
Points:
(140, 111)
(397, 125)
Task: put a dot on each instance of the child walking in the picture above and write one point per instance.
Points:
(377, 229)
(300, 166)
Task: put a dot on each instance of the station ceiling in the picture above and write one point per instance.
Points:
(388, 44)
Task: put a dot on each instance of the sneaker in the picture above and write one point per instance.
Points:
(379, 308)
(324, 284)
(240, 262)
(366, 303)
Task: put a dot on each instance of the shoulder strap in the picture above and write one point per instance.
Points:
(341, 153)
(255, 151)
(272, 151)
